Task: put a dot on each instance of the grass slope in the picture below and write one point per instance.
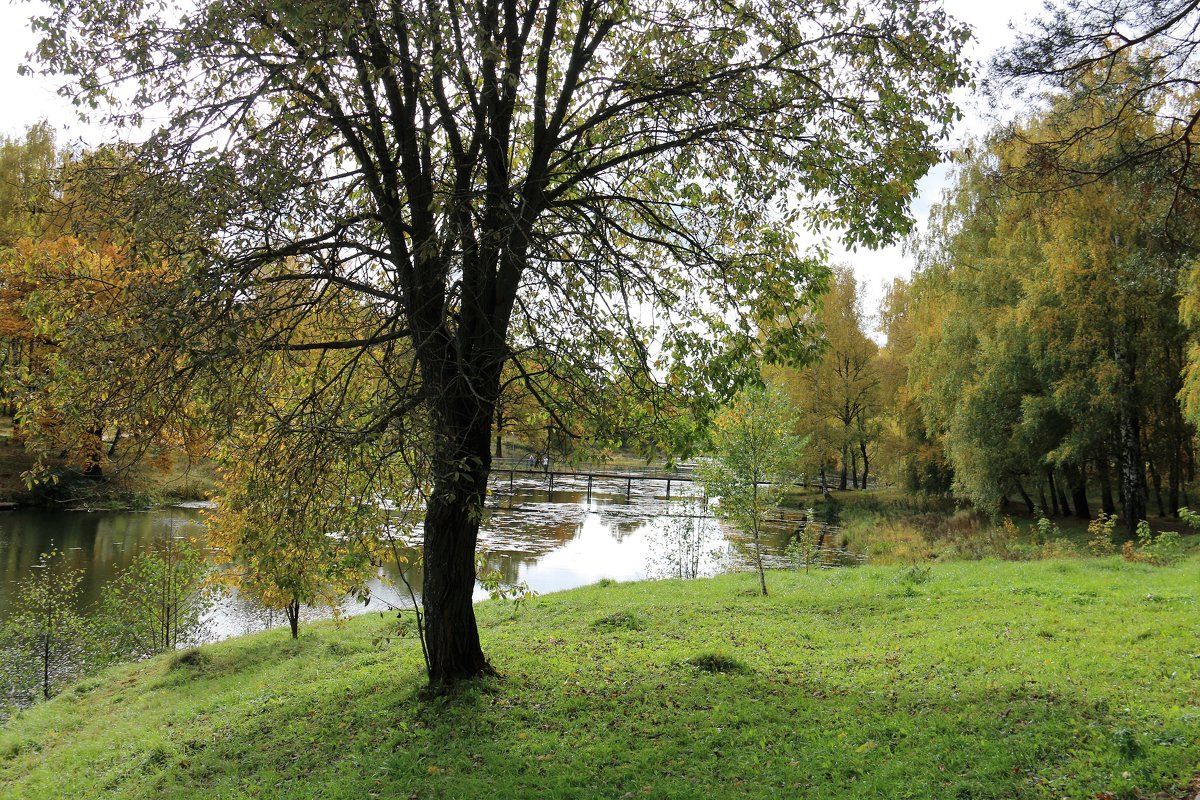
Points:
(972, 680)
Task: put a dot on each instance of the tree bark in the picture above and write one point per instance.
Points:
(1175, 478)
(1106, 493)
(843, 479)
(462, 422)
(1079, 497)
(1026, 498)
(1061, 485)
(1129, 436)
(1156, 482)
(293, 617)
(1057, 509)
(866, 463)
(499, 431)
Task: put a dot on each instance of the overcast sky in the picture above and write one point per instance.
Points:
(25, 100)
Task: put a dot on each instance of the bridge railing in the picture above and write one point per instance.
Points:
(659, 471)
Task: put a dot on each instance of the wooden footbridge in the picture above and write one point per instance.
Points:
(630, 475)
(591, 472)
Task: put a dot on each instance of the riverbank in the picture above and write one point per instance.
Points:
(974, 680)
(171, 478)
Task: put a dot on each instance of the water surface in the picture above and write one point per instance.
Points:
(551, 540)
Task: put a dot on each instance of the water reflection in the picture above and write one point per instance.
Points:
(552, 538)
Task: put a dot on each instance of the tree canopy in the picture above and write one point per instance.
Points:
(1136, 59)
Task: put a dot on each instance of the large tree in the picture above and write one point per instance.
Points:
(1051, 346)
(837, 394)
(610, 184)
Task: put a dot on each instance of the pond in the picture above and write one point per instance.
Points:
(571, 536)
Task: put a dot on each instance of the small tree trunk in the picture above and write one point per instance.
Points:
(762, 574)
(1026, 498)
(46, 665)
(1174, 480)
(1079, 493)
(293, 617)
(1053, 494)
(1156, 482)
(1106, 492)
(1133, 473)
(866, 463)
(94, 468)
(1062, 497)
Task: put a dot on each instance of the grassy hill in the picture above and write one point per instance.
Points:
(972, 680)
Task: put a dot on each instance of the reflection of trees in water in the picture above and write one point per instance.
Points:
(621, 528)
(686, 544)
(508, 563)
(102, 544)
(532, 528)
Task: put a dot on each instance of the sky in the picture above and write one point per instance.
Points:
(26, 100)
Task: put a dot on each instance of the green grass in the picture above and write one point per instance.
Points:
(967, 680)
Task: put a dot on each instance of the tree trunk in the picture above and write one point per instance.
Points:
(762, 575)
(862, 446)
(1062, 497)
(1174, 479)
(842, 481)
(462, 462)
(1129, 436)
(46, 664)
(94, 468)
(1079, 498)
(1026, 498)
(1042, 497)
(293, 617)
(1057, 509)
(1106, 492)
(1156, 482)
(854, 469)
(1080, 501)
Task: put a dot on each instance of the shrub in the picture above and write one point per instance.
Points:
(1100, 534)
(1044, 531)
(45, 643)
(1162, 549)
(160, 601)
